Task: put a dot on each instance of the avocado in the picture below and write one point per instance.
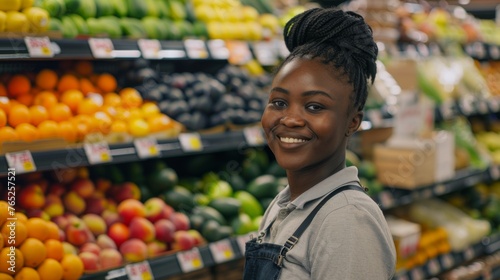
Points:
(180, 198)
(210, 213)
(249, 204)
(213, 231)
(242, 224)
(162, 180)
(229, 207)
(263, 186)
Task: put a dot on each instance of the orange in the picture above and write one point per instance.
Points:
(18, 85)
(54, 248)
(131, 98)
(138, 127)
(50, 269)
(38, 114)
(46, 79)
(5, 259)
(52, 231)
(34, 252)
(45, 98)
(27, 132)
(86, 86)
(7, 133)
(109, 110)
(72, 98)
(149, 109)
(3, 118)
(106, 82)
(48, 129)
(26, 99)
(67, 131)
(84, 68)
(122, 114)
(72, 267)
(102, 122)
(37, 228)
(5, 104)
(4, 213)
(160, 122)
(112, 99)
(4, 276)
(87, 107)
(82, 124)
(119, 126)
(19, 235)
(18, 114)
(21, 217)
(67, 82)
(60, 112)
(3, 90)
(27, 273)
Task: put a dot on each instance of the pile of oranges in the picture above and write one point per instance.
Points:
(30, 248)
(47, 105)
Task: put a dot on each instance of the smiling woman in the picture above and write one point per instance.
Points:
(322, 225)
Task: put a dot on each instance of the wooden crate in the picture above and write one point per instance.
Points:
(232, 270)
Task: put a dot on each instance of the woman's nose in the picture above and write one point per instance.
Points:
(292, 120)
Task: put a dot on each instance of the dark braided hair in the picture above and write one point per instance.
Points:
(339, 38)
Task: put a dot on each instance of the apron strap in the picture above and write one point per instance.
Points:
(292, 240)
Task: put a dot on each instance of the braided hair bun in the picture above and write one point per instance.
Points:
(340, 38)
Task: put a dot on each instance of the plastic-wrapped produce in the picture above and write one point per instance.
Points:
(462, 229)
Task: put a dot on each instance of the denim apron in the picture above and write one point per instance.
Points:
(263, 261)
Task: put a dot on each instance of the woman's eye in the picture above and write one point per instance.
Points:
(279, 103)
(314, 107)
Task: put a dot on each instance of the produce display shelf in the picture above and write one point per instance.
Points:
(163, 267)
(392, 197)
(70, 157)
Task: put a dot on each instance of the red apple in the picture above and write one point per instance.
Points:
(95, 224)
(64, 176)
(90, 261)
(105, 242)
(61, 221)
(95, 204)
(131, 208)
(119, 233)
(155, 248)
(31, 196)
(165, 230)
(90, 247)
(183, 240)
(53, 205)
(180, 220)
(83, 187)
(56, 189)
(142, 229)
(109, 258)
(37, 213)
(103, 185)
(198, 238)
(167, 211)
(127, 190)
(62, 235)
(134, 250)
(154, 208)
(110, 217)
(77, 233)
(74, 203)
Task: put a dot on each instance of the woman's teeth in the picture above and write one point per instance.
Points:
(292, 140)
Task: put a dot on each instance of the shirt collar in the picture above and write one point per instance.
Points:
(348, 175)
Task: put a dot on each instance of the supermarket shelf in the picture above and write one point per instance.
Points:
(392, 197)
(121, 153)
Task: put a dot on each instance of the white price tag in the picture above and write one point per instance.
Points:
(482, 105)
(494, 104)
(495, 172)
(196, 49)
(21, 161)
(191, 142)
(190, 260)
(97, 152)
(447, 110)
(239, 52)
(433, 266)
(139, 271)
(101, 47)
(146, 147)
(386, 199)
(222, 251)
(447, 261)
(440, 189)
(253, 136)
(218, 49)
(469, 254)
(150, 48)
(39, 46)
(266, 53)
(417, 273)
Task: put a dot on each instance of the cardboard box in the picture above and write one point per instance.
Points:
(406, 236)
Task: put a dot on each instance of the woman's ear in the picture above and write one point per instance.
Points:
(354, 123)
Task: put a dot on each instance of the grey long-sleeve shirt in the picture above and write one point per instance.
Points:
(348, 239)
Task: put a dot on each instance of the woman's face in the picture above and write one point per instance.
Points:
(308, 115)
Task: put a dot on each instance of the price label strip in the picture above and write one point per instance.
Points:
(22, 161)
(239, 52)
(495, 171)
(101, 47)
(97, 152)
(196, 49)
(146, 147)
(150, 49)
(254, 136)
(191, 142)
(139, 271)
(218, 49)
(266, 53)
(190, 260)
(222, 251)
(447, 261)
(39, 46)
